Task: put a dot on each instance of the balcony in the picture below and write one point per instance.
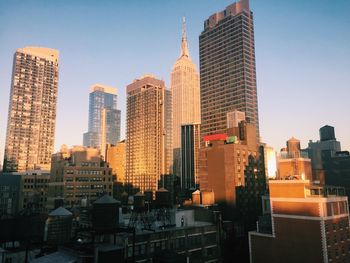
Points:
(326, 191)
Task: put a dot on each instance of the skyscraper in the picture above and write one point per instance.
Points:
(104, 118)
(227, 68)
(32, 109)
(148, 133)
(190, 141)
(186, 97)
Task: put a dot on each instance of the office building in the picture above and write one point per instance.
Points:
(234, 118)
(104, 118)
(249, 195)
(116, 160)
(185, 98)
(115, 157)
(10, 195)
(292, 162)
(336, 169)
(223, 160)
(328, 146)
(227, 68)
(148, 133)
(35, 189)
(191, 237)
(308, 224)
(190, 143)
(32, 110)
(79, 176)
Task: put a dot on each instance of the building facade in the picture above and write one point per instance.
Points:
(32, 109)
(104, 118)
(148, 133)
(249, 195)
(190, 143)
(224, 159)
(185, 97)
(79, 176)
(35, 190)
(337, 169)
(195, 241)
(10, 195)
(227, 68)
(292, 162)
(116, 159)
(327, 145)
(308, 224)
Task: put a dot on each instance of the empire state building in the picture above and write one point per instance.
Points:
(186, 97)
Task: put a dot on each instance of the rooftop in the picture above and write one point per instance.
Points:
(106, 199)
(231, 10)
(103, 88)
(42, 52)
(61, 211)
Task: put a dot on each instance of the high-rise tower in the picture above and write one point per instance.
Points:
(148, 133)
(227, 68)
(32, 109)
(186, 97)
(104, 118)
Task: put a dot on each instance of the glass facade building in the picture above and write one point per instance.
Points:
(190, 142)
(104, 117)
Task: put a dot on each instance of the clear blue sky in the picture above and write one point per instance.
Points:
(302, 54)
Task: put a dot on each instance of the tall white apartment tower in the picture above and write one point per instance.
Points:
(32, 109)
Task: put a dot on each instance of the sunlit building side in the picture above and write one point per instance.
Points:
(227, 68)
(294, 163)
(306, 224)
(32, 109)
(148, 134)
(185, 97)
(79, 176)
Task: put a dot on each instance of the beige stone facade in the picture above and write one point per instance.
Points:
(185, 96)
(78, 174)
(116, 159)
(292, 162)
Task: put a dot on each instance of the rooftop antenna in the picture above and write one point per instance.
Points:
(184, 46)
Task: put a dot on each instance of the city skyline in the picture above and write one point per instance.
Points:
(280, 117)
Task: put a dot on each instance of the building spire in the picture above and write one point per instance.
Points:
(184, 45)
